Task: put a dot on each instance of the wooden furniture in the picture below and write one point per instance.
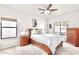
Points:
(42, 46)
(24, 40)
(73, 36)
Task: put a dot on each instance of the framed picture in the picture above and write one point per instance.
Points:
(50, 26)
(34, 22)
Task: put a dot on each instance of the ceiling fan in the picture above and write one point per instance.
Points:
(48, 10)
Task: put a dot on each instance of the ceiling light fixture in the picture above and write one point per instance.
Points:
(47, 12)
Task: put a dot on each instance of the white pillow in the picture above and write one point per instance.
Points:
(34, 31)
(37, 31)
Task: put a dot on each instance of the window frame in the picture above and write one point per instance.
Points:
(60, 24)
(8, 19)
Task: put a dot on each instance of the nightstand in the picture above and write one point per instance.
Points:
(24, 40)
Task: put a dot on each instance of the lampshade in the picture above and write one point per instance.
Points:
(24, 33)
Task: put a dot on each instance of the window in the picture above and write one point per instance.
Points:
(8, 28)
(57, 28)
(60, 28)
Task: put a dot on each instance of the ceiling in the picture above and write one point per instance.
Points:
(33, 8)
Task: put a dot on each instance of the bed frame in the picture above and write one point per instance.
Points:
(41, 45)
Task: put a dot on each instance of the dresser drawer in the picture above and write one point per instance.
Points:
(71, 36)
(24, 41)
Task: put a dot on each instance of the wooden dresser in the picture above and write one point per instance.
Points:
(73, 36)
(24, 40)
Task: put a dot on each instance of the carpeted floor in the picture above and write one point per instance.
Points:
(67, 49)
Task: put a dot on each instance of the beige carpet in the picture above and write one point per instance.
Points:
(67, 49)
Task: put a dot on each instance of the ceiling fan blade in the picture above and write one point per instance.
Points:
(41, 9)
(41, 12)
(53, 9)
(49, 6)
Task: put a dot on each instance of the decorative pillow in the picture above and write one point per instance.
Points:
(37, 31)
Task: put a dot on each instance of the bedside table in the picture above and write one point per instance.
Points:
(24, 40)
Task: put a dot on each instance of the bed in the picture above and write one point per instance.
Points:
(47, 42)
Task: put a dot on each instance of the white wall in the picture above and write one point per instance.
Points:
(71, 18)
(24, 21)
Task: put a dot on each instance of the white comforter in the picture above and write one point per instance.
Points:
(51, 40)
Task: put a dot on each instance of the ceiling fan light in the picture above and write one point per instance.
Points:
(47, 12)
